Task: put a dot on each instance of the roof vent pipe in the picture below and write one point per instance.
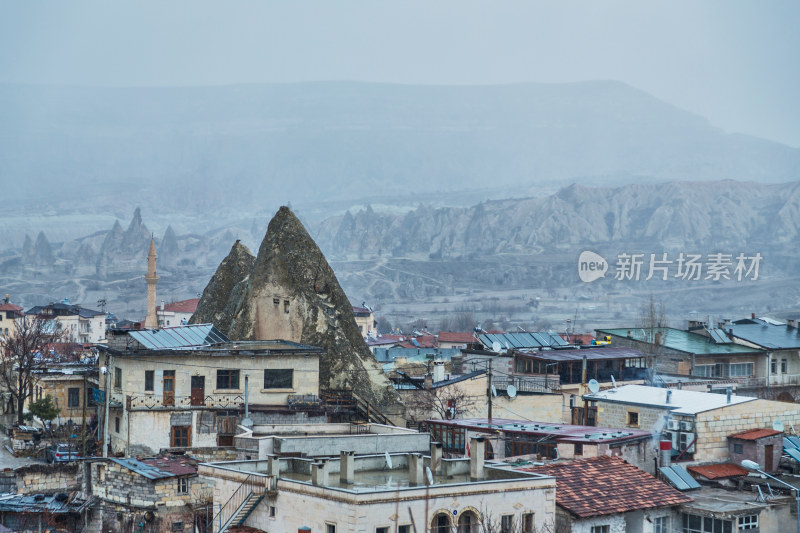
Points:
(669, 395)
(728, 393)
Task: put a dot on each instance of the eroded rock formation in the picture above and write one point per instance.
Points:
(292, 293)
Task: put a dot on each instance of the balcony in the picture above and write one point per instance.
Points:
(541, 383)
(153, 402)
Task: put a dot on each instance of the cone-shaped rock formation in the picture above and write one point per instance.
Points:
(292, 293)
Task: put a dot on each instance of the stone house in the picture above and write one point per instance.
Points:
(382, 493)
(184, 387)
(69, 385)
(608, 495)
(365, 321)
(155, 495)
(764, 446)
(697, 423)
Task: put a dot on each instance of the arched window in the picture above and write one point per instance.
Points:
(468, 522)
(441, 523)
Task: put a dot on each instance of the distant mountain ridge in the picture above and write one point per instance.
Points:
(217, 147)
(702, 216)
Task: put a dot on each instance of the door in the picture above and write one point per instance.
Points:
(169, 388)
(198, 390)
(768, 455)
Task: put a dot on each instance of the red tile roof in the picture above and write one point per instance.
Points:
(184, 306)
(607, 485)
(456, 336)
(754, 434)
(719, 471)
(10, 307)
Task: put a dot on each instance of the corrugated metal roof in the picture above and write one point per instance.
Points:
(718, 471)
(679, 477)
(754, 434)
(179, 337)
(719, 336)
(157, 468)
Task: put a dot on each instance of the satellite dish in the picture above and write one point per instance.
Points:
(388, 460)
(494, 391)
(778, 425)
(511, 391)
(496, 346)
(594, 386)
(429, 475)
(614, 382)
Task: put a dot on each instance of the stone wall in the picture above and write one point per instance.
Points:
(59, 477)
(713, 427)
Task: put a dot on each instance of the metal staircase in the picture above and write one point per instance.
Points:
(239, 506)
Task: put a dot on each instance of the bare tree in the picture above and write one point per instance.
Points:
(440, 403)
(22, 352)
(652, 320)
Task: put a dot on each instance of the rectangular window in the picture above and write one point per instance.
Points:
(116, 424)
(330, 528)
(601, 529)
(117, 378)
(149, 377)
(773, 366)
(578, 449)
(705, 524)
(73, 397)
(181, 437)
(227, 379)
(748, 522)
(738, 448)
(741, 370)
(706, 371)
(661, 525)
(382, 529)
(286, 306)
(528, 523)
(272, 511)
(784, 366)
(183, 485)
(405, 528)
(278, 379)
(633, 419)
(177, 526)
(507, 523)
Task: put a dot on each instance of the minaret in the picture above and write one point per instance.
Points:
(151, 320)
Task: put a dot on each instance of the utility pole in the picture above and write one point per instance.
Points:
(108, 405)
(83, 416)
(490, 391)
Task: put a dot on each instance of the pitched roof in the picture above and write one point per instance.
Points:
(10, 307)
(456, 336)
(159, 467)
(766, 333)
(680, 340)
(754, 434)
(183, 306)
(718, 471)
(361, 311)
(607, 485)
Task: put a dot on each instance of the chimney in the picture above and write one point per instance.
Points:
(415, 463)
(657, 339)
(476, 470)
(438, 371)
(752, 315)
(666, 452)
(791, 323)
(630, 334)
(347, 461)
(428, 381)
(669, 395)
(728, 393)
(319, 473)
(436, 457)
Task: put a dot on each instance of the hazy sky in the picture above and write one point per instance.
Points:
(735, 62)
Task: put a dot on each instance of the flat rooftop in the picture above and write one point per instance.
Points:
(559, 432)
(681, 402)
